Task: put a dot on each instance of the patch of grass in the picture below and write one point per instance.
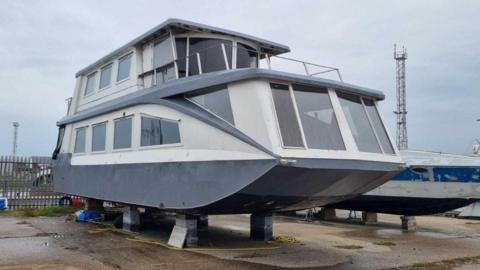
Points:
(54, 211)
(349, 247)
(441, 265)
(472, 223)
(251, 255)
(285, 239)
(385, 243)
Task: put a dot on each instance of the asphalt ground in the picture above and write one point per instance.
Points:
(61, 243)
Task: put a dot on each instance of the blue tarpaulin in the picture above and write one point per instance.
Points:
(3, 204)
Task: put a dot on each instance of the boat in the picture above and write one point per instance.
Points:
(432, 183)
(193, 119)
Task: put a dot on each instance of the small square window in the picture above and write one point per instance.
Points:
(91, 83)
(124, 67)
(105, 76)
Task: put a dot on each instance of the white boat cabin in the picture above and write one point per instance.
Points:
(290, 115)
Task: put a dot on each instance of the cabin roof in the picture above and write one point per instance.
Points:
(184, 25)
(197, 82)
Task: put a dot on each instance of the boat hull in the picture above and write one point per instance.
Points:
(222, 187)
(407, 206)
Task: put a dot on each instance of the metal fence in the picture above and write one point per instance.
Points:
(26, 182)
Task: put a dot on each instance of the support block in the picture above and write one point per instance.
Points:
(184, 232)
(327, 214)
(202, 222)
(94, 205)
(261, 227)
(131, 218)
(409, 223)
(369, 218)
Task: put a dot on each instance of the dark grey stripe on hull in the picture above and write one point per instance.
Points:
(290, 188)
(408, 206)
(241, 186)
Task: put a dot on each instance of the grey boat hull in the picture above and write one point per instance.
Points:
(222, 187)
(407, 206)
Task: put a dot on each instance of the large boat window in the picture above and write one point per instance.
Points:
(181, 46)
(162, 53)
(159, 131)
(105, 76)
(216, 100)
(247, 56)
(318, 118)
(99, 134)
(124, 67)
(378, 126)
(91, 83)
(287, 119)
(358, 122)
(122, 137)
(80, 137)
(211, 55)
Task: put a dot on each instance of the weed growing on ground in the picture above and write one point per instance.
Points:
(54, 211)
(385, 243)
(349, 247)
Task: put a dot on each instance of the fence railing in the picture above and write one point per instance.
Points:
(27, 182)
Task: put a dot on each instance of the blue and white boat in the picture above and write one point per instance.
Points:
(432, 183)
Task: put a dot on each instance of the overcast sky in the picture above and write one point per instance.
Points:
(43, 44)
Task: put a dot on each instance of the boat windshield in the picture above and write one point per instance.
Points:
(307, 118)
(202, 55)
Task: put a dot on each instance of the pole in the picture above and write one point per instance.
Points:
(15, 137)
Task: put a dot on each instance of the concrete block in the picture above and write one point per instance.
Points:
(369, 218)
(131, 218)
(327, 214)
(409, 223)
(184, 231)
(261, 227)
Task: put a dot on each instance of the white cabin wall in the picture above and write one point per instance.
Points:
(251, 111)
(147, 63)
(210, 144)
(76, 96)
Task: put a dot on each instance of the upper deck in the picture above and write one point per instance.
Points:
(174, 50)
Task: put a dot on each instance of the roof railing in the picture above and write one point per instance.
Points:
(207, 60)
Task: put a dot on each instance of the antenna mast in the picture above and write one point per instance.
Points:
(400, 56)
(15, 136)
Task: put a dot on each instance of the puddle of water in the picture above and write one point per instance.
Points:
(396, 232)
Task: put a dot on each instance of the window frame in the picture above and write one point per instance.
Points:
(169, 145)
(127, 55)
(189, 98)
(131, 117)
(95, 84)
(382, 122)
(234, 41)
(75, 140)
(106, 136)
(100, 77)
(335, 114)
(279, 132)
